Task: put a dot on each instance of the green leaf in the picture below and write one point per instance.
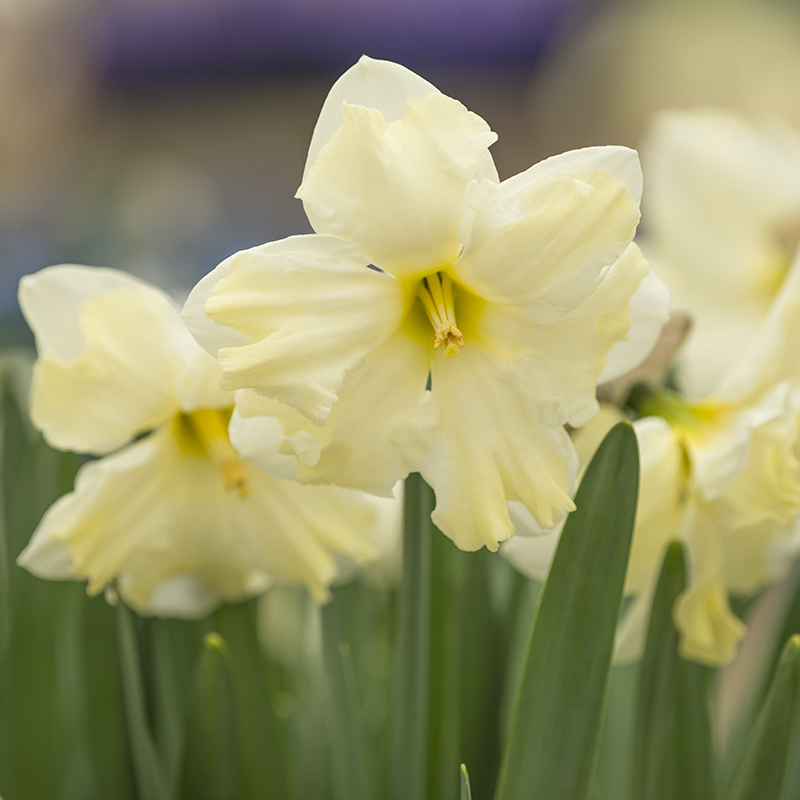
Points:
(552, 746)
(210, 769)
(763, 766)
(466, 792)
(262, 767)
(409, 742)
(346, 739)
(150, 780)
(673, 755)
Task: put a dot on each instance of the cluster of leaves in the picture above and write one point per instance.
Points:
(487, 670)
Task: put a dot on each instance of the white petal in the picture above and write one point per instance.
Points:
(545, 250)
(483, 439)
(154, 513)
(208, 334)
(396, 189)
(52, 299)
(121, 381)
(710, 631)
(649, 313)
(312, 312)
(198, 382)
(566, 358)
(372, 83)
(358, 446)
(621, 162)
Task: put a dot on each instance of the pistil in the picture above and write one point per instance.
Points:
(210, 426)
(436, 293)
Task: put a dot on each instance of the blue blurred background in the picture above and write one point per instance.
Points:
(159, 136)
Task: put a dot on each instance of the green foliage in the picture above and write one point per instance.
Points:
(553, 741)
(764, 766)
(673, 756)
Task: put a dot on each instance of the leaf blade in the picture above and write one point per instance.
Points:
(552, 746)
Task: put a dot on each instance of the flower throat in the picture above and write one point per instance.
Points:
(436, 293)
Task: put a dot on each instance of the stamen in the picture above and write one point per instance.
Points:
(437, 298)
(210, 426)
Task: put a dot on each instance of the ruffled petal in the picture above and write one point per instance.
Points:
(96, 394)
(482, 439)
(545, 249)
(312, 312)
(396, 189)
(568, 357)
(154, 518)
(621, 162)
(358, 446)
(710, 631)
(373, 83)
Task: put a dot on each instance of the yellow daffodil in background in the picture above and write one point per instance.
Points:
(721, 475)
(723, 224)
(514, 297)
(171, 516)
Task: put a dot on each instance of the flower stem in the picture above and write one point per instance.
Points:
(412, 657)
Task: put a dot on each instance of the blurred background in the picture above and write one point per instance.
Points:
(159, 136)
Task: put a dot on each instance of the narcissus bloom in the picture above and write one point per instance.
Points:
(723, 212)
(722, 476)
(514, 298)
(175, 520)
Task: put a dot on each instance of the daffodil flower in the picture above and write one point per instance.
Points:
(171, 517)
(514, 298)
(721, 475)
(723, 213)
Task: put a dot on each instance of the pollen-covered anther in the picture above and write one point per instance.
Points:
(436, 293)
(448, 334)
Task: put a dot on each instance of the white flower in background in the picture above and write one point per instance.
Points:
(175, 520)
(723, 477)
(514, 297)
(723, 224)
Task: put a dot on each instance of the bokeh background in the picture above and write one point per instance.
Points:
(159, 136)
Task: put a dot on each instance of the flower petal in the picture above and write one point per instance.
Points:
(545, 249)
(709, 630)
(396, 189)
(356, 447)
(121, 380)
(154, 513)
(383, 85)
(483, 439)
(312, 312)
(566, 358)
(621, 162)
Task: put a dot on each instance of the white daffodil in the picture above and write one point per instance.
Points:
(175, 520)
(513, 297)
(723, 477)
(723, 224)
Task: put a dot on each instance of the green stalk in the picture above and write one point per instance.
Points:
(412, 658)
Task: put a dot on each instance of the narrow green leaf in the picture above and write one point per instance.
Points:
(347, 745)
(409, 743)
(262, 760)
(210, 769)
(150, 780)
(673, 755)
(552, 746)
(466, 792)
(761, 771)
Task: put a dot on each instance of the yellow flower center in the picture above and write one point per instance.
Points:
(436, 293)
(206, 431)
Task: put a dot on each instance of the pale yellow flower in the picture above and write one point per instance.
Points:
(723, 477)
(175, 520)
(723, 224)
(514, 297)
